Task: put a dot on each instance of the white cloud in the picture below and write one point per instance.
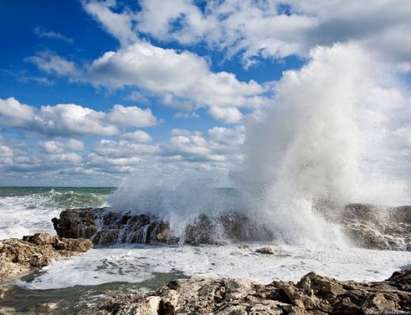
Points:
(70, 157)
(57, 147)
(220, 146)
(226, 114)
(75, 145)
(124, 149)
(274, 28)
(120, 25)
(53, 147)
(51, 63)
(42, 33)
(131, 116)
(14, 113)
(72, 119)
(6, 152)
(180, 77)
(137, 136)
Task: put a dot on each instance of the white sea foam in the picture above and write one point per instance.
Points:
(139, 264)
(24, 215)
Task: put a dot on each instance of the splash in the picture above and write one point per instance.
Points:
(329, 138)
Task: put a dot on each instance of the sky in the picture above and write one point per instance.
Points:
(93, 91)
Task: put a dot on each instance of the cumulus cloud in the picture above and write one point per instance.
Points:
(226, 114)
(220, 145)
(72, 119)
(56, 147)
(124, 149)
(137, 136)
(52, 63)
(131, 116)
(180, 77)
(276, 28)
(13, 113)
(69, 119)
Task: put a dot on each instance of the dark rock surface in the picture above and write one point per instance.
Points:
(19, 257)
(365, 225)
(313, 294)
(105, 227)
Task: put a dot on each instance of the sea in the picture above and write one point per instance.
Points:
(79, 280)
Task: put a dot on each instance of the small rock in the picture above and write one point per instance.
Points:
(265, 251)
(46, 307)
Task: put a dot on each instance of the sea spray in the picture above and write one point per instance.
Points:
(327, 140)
(177, 197)
(320, 145)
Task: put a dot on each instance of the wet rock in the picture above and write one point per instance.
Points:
(77, 223)
(105, 227)
(367, 226)
(265, 251)
(18, 257)
(313, 294)
(375, 228)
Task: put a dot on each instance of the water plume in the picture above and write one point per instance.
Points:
(330, 137)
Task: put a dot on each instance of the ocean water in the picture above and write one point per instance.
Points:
(27, 210)
(124, 268)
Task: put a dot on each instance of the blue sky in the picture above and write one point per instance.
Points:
(92, 91)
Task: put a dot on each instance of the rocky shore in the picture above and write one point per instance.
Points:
(313, 294)
(365, 225)
(19, 257)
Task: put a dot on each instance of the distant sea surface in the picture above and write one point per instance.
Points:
(27, 210)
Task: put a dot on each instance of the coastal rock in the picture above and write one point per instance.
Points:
(265, 251)
(367, 226)
(313, 294)
(375, 228)
(18, 257)
(106, 227)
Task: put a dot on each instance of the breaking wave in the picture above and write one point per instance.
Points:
(330, 137)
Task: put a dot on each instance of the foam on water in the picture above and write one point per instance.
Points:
(28, 210)
(24, 215)
(290, 263)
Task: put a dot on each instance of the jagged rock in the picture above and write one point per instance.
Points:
(77, 223)
(375, 228)
(18, 257)
(313, 294)
(367, 226)
(105, 227)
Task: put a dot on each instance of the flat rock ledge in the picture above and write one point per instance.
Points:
(20, 257)
(313, 294)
